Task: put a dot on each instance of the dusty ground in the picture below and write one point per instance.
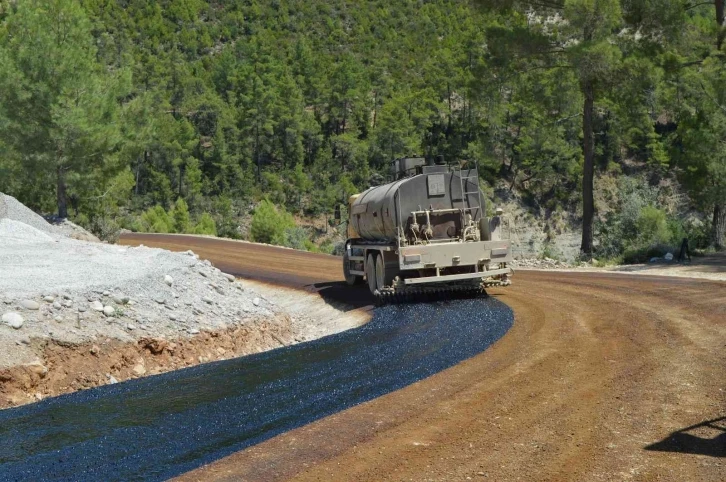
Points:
(602, 377)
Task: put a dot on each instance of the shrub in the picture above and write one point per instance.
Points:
(653, 227)
(227, 226)
(156, 220)
(180, 215)
(205, 225)
(296, 237)
(269, 225)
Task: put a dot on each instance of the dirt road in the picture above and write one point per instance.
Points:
(602, 377)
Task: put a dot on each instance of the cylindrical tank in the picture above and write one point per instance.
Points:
(375, 213)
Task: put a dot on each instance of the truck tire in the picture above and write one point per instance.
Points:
(351, 279)
(381, 280)
(371, 272)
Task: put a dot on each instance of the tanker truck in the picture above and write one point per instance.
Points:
(426, 231)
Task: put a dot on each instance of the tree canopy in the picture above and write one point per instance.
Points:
(118, 107)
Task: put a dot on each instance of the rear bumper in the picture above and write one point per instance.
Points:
(447, 255)
(458, 277)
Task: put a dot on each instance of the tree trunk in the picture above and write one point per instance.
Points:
(718, 230)
(588, 148)
(61, 192)
(720, 21)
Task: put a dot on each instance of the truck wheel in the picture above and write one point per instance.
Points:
(351, 279)
(380, 272)
(371, 272)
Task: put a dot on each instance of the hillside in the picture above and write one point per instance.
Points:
(182, 115)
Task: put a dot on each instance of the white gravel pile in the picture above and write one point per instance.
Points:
(15, 231)
(11, 208)
(53, 287)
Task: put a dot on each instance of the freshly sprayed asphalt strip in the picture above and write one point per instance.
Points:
(157, 427)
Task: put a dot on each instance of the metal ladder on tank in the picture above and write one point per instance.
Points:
(464, 181)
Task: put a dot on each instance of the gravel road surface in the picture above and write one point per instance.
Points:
(602, 377)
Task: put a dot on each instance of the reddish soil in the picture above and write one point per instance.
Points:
(68, 368)
(602, 377)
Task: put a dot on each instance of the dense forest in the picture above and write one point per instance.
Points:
(183, 115)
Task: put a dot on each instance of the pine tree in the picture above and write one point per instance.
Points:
(62, 105)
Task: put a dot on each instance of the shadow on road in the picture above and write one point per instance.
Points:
(344, 297)
(706, 438)
(337, 293)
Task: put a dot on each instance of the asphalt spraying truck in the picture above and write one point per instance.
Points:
(426, 231)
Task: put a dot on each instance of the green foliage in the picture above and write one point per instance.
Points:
(270, 225)
(156, 220)
(205, 226)
(639, 228)
(60, 105)
(653, 227)
(182, 110)
(180, 215)
(297, 237)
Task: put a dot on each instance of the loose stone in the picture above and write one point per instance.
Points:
(29, 304)
(13, 319)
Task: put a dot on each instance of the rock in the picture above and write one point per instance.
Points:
(13, 319)
(229, 277)
(172, 317)
(25, 340)
(256, 301)
(82, 309)
(95, 349)
(194, 331)
(57, 305)
(49, 299)
(207, 299)
(97, 306)
(139, 369)
(106, 293)
(654, 259)
(66, 296)
(117, 299)
(108, 310)
(160, 300)
(189, 253)
(68, 303)
(29, 304)
(58, 318)
(130, 327)
(38, 368)
(168, 280)
(202, 273)
(219, 290)
(668, 257)
(111, 379)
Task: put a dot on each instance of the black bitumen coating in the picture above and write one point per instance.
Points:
(156, 427)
